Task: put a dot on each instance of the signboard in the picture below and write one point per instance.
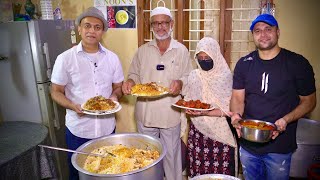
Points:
(119, 13)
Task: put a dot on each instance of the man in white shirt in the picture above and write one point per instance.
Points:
(82, 72)
(165, 61)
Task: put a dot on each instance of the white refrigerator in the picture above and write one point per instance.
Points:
(27, 54)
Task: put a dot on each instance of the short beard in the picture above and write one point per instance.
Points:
(271, 46)
(164, 36)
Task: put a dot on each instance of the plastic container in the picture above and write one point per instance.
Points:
(73, 36)
(57, 13)
(46, 9)
(6, 8)
(314, 172)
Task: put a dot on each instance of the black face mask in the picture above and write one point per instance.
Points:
(206, 65)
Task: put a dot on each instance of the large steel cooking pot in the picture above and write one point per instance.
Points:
(153, 171)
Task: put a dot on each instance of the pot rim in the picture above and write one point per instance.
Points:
(80, 169)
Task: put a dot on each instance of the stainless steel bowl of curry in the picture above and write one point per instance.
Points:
(257, 130)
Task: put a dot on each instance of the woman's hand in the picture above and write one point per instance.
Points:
(197, 113)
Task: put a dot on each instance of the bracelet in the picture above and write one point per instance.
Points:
(239, 115)
(221, 113)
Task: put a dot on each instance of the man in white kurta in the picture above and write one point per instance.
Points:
(166, 62)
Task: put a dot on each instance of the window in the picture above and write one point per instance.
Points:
(227, 21)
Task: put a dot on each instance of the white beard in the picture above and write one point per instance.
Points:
(164, 36)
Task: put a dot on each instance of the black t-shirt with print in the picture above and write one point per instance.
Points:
(272, 89)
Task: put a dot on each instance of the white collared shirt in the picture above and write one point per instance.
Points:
(176, 61)
(85, 76)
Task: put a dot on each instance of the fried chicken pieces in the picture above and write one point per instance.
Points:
(193, 104)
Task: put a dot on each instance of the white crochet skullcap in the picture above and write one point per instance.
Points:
(160, 10)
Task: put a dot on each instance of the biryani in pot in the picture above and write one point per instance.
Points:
(127, 159)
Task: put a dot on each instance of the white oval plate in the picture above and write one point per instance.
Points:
(103, 112)
(194, 109)
(143, 96)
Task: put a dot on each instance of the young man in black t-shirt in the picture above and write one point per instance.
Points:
(274, 85)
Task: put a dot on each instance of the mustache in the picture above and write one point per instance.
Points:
(165, 36)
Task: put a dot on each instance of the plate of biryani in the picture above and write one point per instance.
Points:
(100, 105)
(127, 159)
(149, 90)
(195, 105)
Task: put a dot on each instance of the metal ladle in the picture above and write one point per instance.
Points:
(79, 152)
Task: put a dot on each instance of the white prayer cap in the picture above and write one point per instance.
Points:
(160, 10)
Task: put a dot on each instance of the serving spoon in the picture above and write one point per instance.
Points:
(78, 152)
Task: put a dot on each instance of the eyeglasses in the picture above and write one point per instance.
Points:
(162, 24)
(88, 26)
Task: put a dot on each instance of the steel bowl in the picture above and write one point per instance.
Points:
(257, 133)
(214, 176)
(153, 171)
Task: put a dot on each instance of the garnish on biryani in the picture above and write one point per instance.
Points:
(99, 103)
(127, 159)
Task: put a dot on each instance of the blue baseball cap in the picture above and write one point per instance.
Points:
(266, 18)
